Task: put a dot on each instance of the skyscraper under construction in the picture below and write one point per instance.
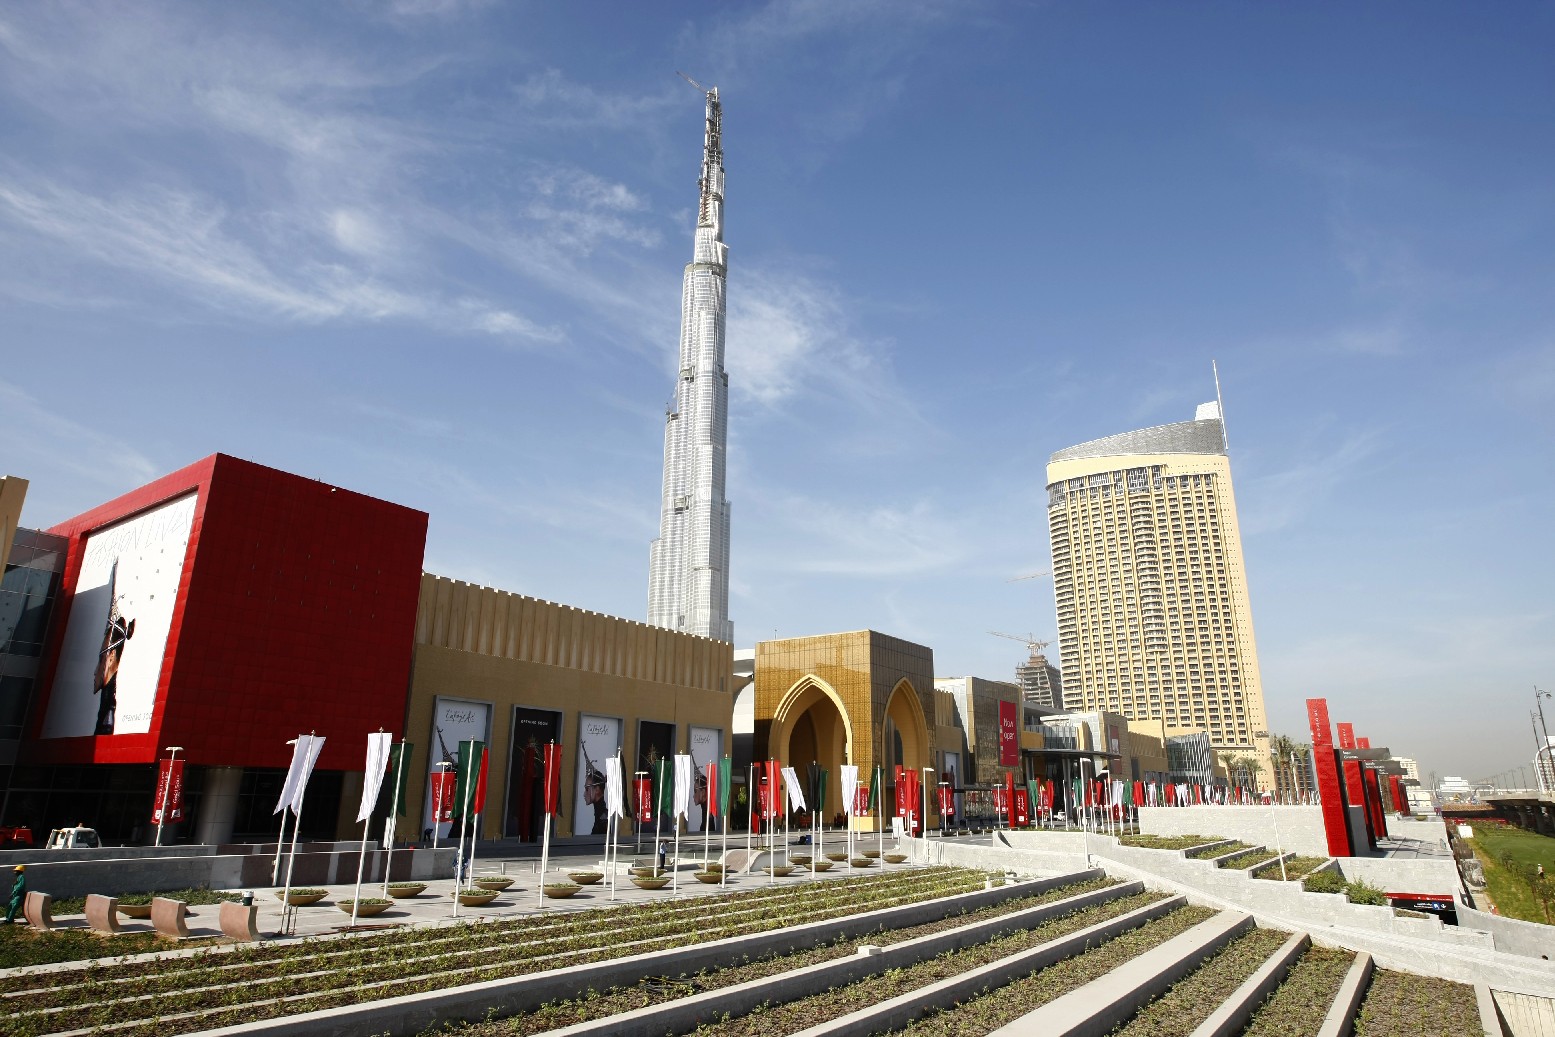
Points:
(688, 566)
(1148, 578)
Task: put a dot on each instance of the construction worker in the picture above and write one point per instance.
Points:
(18, 894)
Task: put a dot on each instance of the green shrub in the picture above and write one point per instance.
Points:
(1324, 882)
(1363, 892)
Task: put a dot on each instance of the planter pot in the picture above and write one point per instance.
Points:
(366, 910)
(585, 878)
(782, 871)
(803, 860)
(714, 868)
(406, 890)
(650, 882)
(646, 873)
(862, 862)
(560, 891)
(872, 854)
(497, 882)
(712, 878)
(821, 865)
(135, 910)
(303, 899)
(837, 858)
(478, 899)
(895, 858)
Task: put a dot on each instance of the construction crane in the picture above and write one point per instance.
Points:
(1028, 576)
(1029, 641)
(693, 82)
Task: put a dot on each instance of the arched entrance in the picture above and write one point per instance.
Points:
(811, 725)
(905, 736)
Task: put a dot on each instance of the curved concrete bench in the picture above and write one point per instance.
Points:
(38, 909)
(240, 922)
(167, 918)
(102, 913)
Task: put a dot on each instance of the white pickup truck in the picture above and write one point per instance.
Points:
(73, 838)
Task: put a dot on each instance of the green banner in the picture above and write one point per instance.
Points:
(467, 776)
(875, 789)
(725, 782)
(399, 774)
(664, 786)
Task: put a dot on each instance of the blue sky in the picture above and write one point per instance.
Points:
(431, 250)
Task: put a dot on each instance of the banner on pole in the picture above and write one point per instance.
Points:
(472, 754)
(615, 800)
(947, 801)
(850, 786)
(664, 787)
(293, 773)
(795, 793)
(642, 797)
(553, 777)
(170, 792)
(1009, 734)
(685, 781)
(725, 785)
(442, 797)
(372, 776)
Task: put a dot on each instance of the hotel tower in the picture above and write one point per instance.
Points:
(688, 566)
(1151, 591)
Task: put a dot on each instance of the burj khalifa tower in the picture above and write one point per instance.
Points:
(688, 578)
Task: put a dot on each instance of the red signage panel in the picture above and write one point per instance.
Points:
(1009, 734)
(170, 792)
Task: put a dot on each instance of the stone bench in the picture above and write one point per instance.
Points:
(240, 921)
(38, 909)
(168, 918)
(102, 913)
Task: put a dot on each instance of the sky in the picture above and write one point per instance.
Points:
(431, 250)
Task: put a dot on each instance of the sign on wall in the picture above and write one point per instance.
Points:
(598, 740)
(1009, 734)
(706, 747)
(453, 721)
(111, 659)
(532, 730)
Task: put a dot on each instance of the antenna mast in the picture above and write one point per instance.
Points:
(1225, 437)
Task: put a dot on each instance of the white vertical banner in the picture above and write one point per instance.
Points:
(293, 773)
(795, 793)
(615, 797)
(684, 784)
(372, 780)
(849, 787)
(315, 746)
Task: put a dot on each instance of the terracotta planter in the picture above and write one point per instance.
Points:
(782, 871)
(364, 911)
(895, 858)
(477, 899)
(302, 899)
(837, 858)
(585, 878)
(560, 891)
(408, 890)
(711, 878)
(872, 854)
(649, 882)
(497, 882)
(862, 862)
(135, 910)
(803, 860)
(821, 865)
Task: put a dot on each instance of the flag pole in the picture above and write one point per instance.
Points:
(464, 817)
(392, 820)
(725, 796)
(675, 866)
(545, 845)
(280, 844)
(750, 812)
(880, 811)
(367, 823)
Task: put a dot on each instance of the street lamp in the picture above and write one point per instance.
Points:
(925, 821)
(167, 789)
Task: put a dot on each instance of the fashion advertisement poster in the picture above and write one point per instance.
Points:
(706, 747)
(655, 742)
(952, 776)
(532, 729)
(598, 740)
(111, 659)
(453, 721)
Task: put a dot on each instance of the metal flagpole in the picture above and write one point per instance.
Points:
(675, 867)
(707, 812)
(545, 846)
(464, 817)
(880, 813)
(280, 840)
(750, 813)
(771, 827)
(392, 820)
(613, 865)
(724, 796)
(361, 864)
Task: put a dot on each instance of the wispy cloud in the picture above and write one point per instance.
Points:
(1278, 500)
(40, 442)
(870, 542)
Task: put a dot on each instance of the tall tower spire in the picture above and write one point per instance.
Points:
(688, 565)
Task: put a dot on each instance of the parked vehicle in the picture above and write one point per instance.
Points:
(73, 838)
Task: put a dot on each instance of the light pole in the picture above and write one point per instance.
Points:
(925, 822)
(167, 789)
(1085, 794)
(1538, 697)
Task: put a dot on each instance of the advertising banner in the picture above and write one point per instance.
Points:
(947, 802)
(553, 777)
(861, 800)
(642, 798)
(121, 612)
(453, 721)
(1022, 808)
(1009, 734)
(170, 792)
(442, 784)
(598, 740)
(532, 729)
(707, 745)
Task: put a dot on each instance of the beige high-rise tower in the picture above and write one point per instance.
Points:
(1153, 614)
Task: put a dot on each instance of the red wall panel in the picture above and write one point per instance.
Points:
(296, 613)
(1336, 828)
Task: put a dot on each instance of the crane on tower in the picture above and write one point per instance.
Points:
(1029, 640)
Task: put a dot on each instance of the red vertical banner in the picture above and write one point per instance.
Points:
(553, 777)
(442, 796)
(712, 788)
(1009, 734)
(642, 793)
(170, 792)
(861, 799)
(947, 801)
(772, 790)
(1022, 808)
(480, 784)
(1363, 743)
(1347, 736)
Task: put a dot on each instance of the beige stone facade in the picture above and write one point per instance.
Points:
(1154, 620)
(480, 651)
(13, 491)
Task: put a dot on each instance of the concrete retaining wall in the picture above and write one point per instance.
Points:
(1511, 935)
(1294, 829)
(74, 878)
(1393, 875)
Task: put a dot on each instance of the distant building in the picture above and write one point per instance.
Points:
(1151, 592)
(1041, 683)
(1410, 768)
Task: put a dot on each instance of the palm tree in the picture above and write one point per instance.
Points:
(1280, 749)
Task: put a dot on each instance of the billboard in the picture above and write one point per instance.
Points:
(533, 729)
(707, 746)
(453, 721)
(1009, 734)
(599, 738)
(110, 661)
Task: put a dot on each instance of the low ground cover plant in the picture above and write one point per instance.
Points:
(167, 997)
(996, 1008)
(1295, 868)
(1248, 859)
(1503, 852)
(1217, 851)
(603, 1004)
(194, 897)
(1358, 892)
(1298, 1005)
(1190, 1001)
(1401, 1004)
(21, 946)
(1167, 842)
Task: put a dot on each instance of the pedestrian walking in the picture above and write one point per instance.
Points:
(18, 894)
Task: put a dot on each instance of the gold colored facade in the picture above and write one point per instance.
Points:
(13, 491)
(857, 698)
(1151, 591)
(505, 653)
